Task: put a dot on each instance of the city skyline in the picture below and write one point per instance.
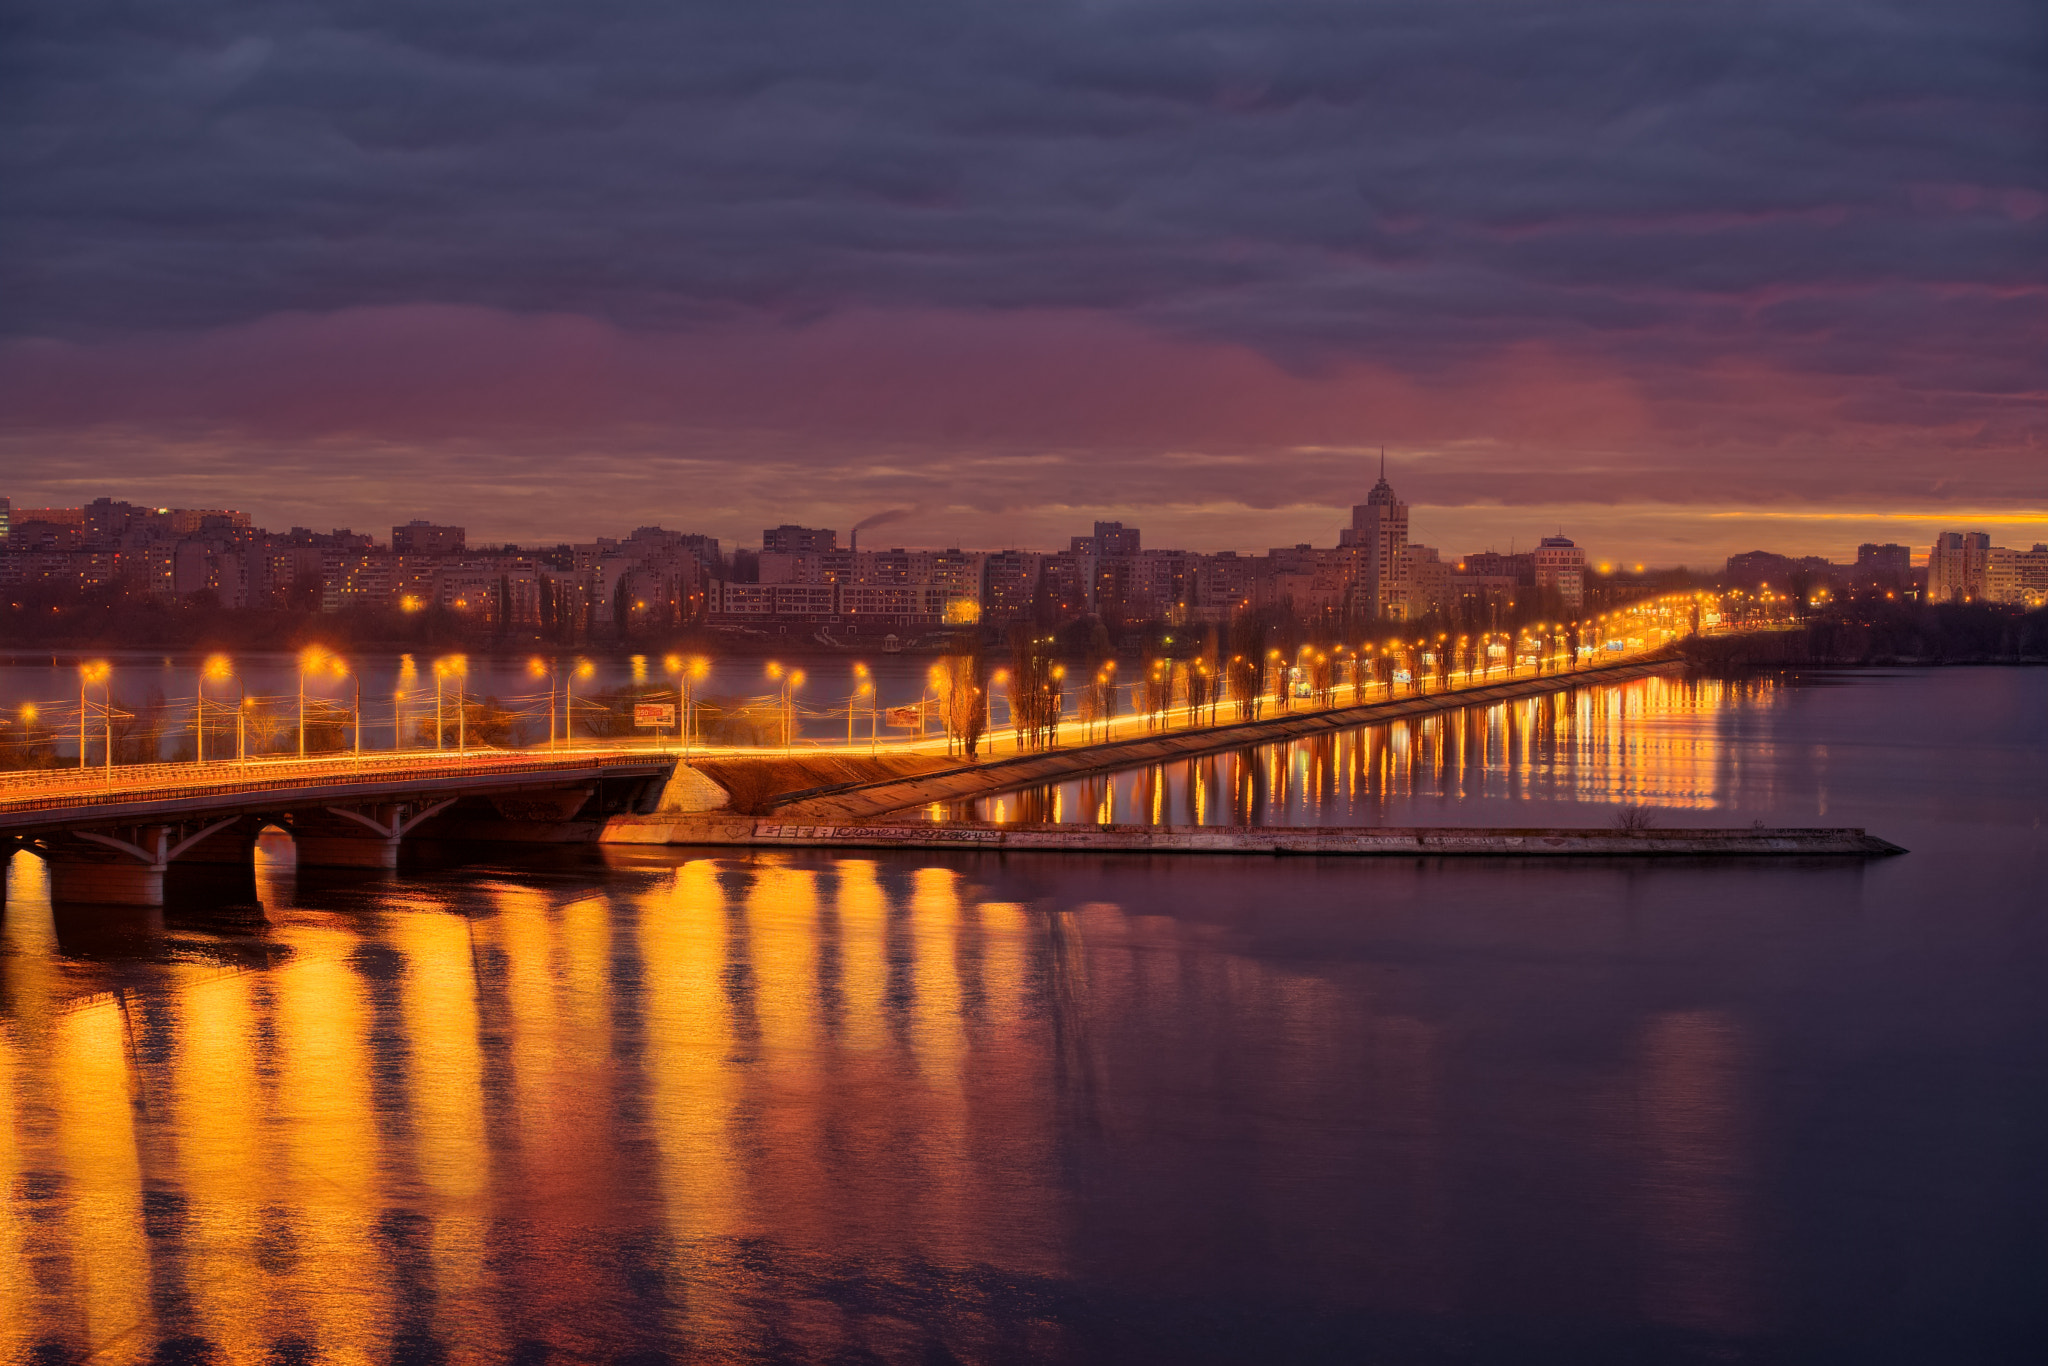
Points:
(1682, 285)
(1833, 536)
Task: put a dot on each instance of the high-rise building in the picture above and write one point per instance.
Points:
(1379, 533)
(424, 538)
(798, 540)
(1114, 538)
(1955, 566)
(6, 509)
(1889, 564)
(1561, 568)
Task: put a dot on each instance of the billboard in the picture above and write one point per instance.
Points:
(654, 713)
(904, 716)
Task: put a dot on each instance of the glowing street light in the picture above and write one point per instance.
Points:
(863, 687)
(310, 661)
(95, 671)
(584, 669)
(217, 668)
(545, 668)
(457, 668)
(696, 666)
(340, 669)
(791, 680)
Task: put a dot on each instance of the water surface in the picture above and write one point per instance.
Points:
(581, 1106)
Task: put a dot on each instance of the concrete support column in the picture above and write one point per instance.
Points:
(231, 843)
(356, 836)
(346, 851)
(113, 883)
(124, 868)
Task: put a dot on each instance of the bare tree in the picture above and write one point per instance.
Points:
(962, 679)
(1634, 819)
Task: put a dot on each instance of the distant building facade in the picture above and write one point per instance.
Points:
(798, 540)
(425, 538)
(1963, 566)
(1560, 567)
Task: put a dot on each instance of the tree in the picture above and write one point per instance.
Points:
(1036, 681)
(962, 680)
(622, 607)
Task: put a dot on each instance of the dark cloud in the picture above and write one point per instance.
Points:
(1328, 174)
(1845, 198)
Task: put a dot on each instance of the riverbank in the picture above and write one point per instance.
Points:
(1207, 839)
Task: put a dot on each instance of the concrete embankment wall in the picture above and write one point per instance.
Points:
(751, 785)
(778, 832)
(962, 783)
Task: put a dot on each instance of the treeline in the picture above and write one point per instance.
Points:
(1886, 632)
(111, 616)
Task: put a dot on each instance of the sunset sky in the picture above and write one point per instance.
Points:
(1678, 279)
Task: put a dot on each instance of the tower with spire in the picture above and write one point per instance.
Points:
(1379, 535)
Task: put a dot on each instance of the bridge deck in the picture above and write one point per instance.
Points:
(876, 800)
(51, 799)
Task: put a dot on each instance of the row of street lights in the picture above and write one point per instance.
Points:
(452, 671)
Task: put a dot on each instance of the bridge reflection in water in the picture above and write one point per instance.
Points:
(1659, 740)
(789, 1106)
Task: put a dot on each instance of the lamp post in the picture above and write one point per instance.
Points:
(793, 680)
(673, 666)
(584, 669)
(1055, 701)
(440, 726)
(540, 668)
(458, 669)
(310, 659)
(340, 669)
(1001, 679)
(696, 666)
(216, 667)
(862, 686)
(96, 671)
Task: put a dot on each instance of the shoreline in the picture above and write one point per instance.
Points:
(1351, 841)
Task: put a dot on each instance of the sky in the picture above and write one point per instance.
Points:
(1676, 279)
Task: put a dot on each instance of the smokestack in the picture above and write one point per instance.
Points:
(879, 519)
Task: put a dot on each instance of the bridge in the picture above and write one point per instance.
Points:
(111, 836)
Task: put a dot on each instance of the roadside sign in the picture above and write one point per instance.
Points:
(903, 716)
(654, 714)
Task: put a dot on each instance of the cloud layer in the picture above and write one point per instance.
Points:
(1176, 257)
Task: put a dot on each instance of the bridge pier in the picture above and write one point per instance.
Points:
(124, 866)
(108, 844)
(357, 836)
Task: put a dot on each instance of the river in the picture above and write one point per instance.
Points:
(645, 1105)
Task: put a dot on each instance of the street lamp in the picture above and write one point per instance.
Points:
(1001, 679)
(863, 687)
(340, 669)
(791, 680)
(95, 671)
(696, 666)
(217, 667)
(310, 660)
(545, 668)
(584, 669)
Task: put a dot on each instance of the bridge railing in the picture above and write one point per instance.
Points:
(306, 774)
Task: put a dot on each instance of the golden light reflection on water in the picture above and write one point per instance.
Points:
(598, 1116)
(222, 1155)
(1656, 741)
(692, 1087)
(450, 1154)
(16, 1283)
(331, 1148)
(109, 1262)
